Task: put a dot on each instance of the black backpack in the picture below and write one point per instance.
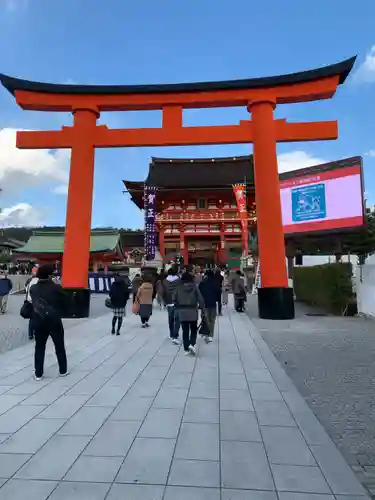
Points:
(44, 310)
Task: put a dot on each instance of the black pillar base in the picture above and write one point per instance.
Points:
(276, 303)
(78, 305)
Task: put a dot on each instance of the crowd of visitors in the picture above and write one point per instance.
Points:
(185, 294)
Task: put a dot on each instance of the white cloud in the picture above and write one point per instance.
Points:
(21, 214)
(12, 5)
(366, 71)
(370, 153)
(25, 168)
(295, 160)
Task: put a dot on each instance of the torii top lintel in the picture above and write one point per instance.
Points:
(316, 84)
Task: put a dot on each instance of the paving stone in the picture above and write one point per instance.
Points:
(10, 463)
(4, 437)
(310, 496)
(178, 381)
(148, 462)
(261, 375)
(198, 442)
(202, 411)
(54, 459)
(107, 396)
(337, 472)
(274, 413)
(29, 387)
(245, 466)
(249, 495)
(203, 389)
(145, 388)
(233, 381)
(45, 396)
(235, 400)
(264, 391)
(32, 436)
(17, 489)
(239, 426)
(182, 493)
(86, 422)
(64, 407)
(17, 417)
(7, 402)
(113, 440)
(132, 408)
(80, 491)
(195, 473)
(91, 469)
(286, 445)
(299, 479)
(171, 398)
(161, 423)
(135, 492)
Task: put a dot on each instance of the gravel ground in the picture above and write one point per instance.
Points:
(331, 361)
(14, 329)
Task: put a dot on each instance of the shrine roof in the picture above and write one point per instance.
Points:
(43, 242)
(172, 173)
(341, 69)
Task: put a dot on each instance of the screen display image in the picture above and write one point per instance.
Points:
(330, 199)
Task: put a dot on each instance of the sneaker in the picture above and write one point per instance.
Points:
(175, 342)
(38, 379)
(192, 350)
(206, 339)
(209, 340)
(144, 326)
(147, 325)
(113, 332)
(187, 353)
(117, 333)
(64, 374)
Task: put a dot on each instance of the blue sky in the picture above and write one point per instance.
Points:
(121, 42)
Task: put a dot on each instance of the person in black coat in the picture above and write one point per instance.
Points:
(119, 295)
(219, 278)
(49, 303)
(211, 293)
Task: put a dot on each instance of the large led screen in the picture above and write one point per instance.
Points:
(326, 198)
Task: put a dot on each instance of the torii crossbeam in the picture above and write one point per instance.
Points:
(259, 95)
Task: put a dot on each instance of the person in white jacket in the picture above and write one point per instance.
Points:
(32, 281)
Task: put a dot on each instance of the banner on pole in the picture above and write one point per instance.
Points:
(150, 233)
(240, 195)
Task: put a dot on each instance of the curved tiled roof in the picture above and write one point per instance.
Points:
(341, 69)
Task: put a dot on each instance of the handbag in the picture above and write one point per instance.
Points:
(108, 303)
(26, 310)
(136, 306)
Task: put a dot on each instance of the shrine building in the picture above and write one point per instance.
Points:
(197, 215)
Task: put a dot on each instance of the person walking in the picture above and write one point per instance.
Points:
(6, 286)
(239, 292)
(145, 298)
(29, 283)
(49, 302)
(187, 299)
(211, 293)
(219, 280)
(119, 295)
(169, 286)
(136, 283)
(225, 289)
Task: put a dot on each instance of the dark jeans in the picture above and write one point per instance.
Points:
(189, 333)
(174, 322)
(239, 304)
(219, 306)
(42, 331)
(31, 329)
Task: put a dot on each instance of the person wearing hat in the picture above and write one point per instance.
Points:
(49, 301)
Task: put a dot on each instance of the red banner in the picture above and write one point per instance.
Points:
(240, 195)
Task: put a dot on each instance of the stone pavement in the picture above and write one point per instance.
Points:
(331, 362)
(137, 420)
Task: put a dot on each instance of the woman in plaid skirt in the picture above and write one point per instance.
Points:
(119, 295)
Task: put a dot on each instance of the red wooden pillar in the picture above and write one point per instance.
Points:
(274, 297)
(79, 205)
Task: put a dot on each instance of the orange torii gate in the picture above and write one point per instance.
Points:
(259, 95)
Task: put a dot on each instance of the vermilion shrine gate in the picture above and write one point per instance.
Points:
(259, 95)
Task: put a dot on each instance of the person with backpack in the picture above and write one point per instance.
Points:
(49, 302)
(119, 295)
(145, 297)
(33, 280)
(187, 299)
(219, 278)
(211, 293)
(239, 292)
(6, 286)
(169, 286)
